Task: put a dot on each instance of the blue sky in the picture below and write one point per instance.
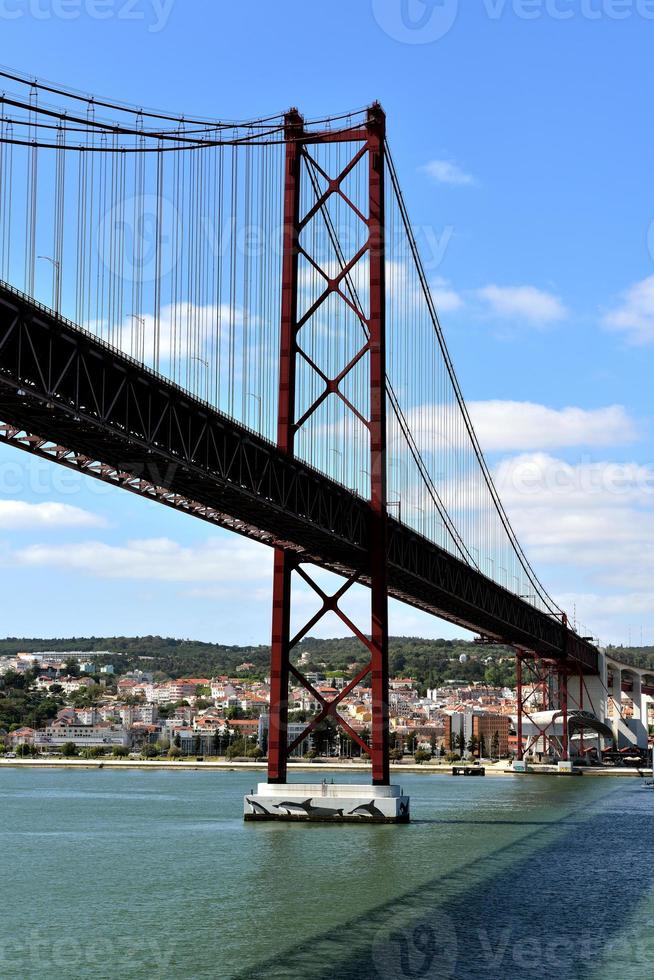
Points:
(522, 141)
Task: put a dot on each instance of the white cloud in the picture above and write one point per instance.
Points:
(20, 515)
(154, 559)
(594, 518)
(447, 172)
(447, 300)
(506, 426)
(634, 317)
(184, 328)
(525, 302)
(596, 607)
(214, 572)
(232, 591)
(540, 480)
(614, 618)
(509, 426)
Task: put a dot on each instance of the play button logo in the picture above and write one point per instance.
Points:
(415, 21)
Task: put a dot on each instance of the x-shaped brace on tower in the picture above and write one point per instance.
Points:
(371, 138)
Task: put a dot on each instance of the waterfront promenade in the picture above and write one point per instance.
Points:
(320, 771)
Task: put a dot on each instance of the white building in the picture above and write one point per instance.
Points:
(86, 716)
(294, 730)
(83, 736)
(144, 714)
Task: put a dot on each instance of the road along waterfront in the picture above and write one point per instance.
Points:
(317, 771)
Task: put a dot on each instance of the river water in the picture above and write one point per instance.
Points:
(154, 874)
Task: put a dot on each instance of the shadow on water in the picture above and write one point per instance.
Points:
(552, 902)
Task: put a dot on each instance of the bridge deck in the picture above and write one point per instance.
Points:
(62, 384)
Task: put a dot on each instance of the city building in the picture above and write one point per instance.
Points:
(482, 727)
(20, 736)
(82, 736)
(294, 730)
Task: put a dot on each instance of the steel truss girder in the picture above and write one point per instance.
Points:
(54, 453)
(475, 602)
(551, 679)
(67, 388)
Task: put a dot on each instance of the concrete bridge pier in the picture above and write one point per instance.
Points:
(587, 692)
(327, 803)
(638, 721)
(615, 692)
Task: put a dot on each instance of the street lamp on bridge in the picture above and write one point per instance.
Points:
(56, 268)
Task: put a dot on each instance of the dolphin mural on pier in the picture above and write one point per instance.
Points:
(307, 809)
(366, 810)
(257, 807)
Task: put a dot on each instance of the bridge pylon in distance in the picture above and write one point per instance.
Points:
(278, 799)
(548, 692)
(562, 709)
(542, 707)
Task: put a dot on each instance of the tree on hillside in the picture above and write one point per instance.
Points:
(429, 662)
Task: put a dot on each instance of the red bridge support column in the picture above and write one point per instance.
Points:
(281, 619)
(520, 701)
(288, 565)
(378, 499)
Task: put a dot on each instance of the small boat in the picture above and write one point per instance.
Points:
(468, 771)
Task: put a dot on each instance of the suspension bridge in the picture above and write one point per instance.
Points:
(232, 319)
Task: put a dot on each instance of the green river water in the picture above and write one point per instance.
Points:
(137, 874)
